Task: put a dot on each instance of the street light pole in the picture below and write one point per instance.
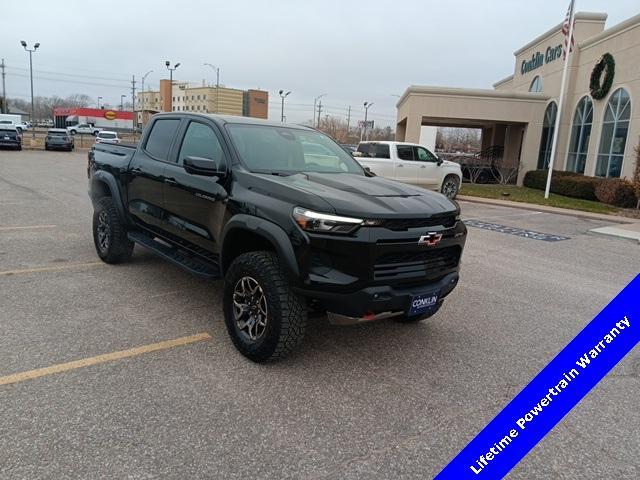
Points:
(142, 98)
(122, 97)
(33, 109)
(168, 65)
(366, 113)
(283, 96)
(217, 69)
(99, 98)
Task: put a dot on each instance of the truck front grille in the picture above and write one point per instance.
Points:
(410, 265)
(400, 224)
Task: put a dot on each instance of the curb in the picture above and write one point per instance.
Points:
(543, 208)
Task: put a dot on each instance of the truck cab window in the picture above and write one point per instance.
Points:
(160, 138)
(424, 155)
(405, 152)
(200, 141)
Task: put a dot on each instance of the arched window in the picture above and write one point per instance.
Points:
(548, 125)
(580, 135)
(536, 85)
(615, 127)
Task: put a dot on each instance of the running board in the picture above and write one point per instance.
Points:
(191, 264)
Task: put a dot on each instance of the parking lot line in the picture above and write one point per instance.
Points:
(51, 268)
(26, 227)
(107, 357)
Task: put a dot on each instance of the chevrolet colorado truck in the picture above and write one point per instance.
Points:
(284, 216)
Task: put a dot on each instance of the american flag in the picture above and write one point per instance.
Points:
(565, 30)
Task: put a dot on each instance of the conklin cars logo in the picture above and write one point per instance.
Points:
(430, 239)
(110, 115)
(538, 59)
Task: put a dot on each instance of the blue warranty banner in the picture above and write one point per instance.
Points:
(553, 392)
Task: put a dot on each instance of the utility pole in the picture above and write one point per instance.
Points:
(315, 104)
(133, 106)
(348, 120)
(4, 93)
(319, 112)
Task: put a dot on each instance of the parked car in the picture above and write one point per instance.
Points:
(107, 137)
(350, 149)
(58, 139)
(410, 163)
(83, 128)
(284, 215)
(10, 137)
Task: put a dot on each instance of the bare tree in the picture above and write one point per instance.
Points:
(476, 166)
(506, 170)
(636, 176)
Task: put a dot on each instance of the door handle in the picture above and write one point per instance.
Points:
(400, 165)
(170, 181)
(136, 171)
(422, 166)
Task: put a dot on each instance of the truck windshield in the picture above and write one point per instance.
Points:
(273, 149)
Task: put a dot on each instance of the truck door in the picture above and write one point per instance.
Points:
(406, 166)
(145, 189)
(377, 157)
(193, 203)
(429, 171)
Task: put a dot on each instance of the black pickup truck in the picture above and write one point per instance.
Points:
(285, 216)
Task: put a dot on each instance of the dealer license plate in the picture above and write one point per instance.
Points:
(422, 303)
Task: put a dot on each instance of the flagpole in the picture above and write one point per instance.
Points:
(556, 128)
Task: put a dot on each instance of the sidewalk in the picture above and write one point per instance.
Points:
(543, 208)
(629, 231)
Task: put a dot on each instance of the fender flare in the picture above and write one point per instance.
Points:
(268, 230)
(111, 183)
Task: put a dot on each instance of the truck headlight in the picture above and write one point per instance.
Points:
(324, 222)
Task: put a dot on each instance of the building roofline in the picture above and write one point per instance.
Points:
(471, 92)
(585, 16)
(616, 29)
(503, 81)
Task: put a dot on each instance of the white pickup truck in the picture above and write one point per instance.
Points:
(410, 163)
(83, 128)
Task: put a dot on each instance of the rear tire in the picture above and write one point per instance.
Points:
(109, 233)
(72, 132)
(264, 318)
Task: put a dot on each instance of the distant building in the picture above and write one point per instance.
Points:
(598, 132)
(13, 110)
(98, 117)
(185, 97)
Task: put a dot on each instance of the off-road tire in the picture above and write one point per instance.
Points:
(118, 248)
(287, 315)
(404, 318)
(449, 182)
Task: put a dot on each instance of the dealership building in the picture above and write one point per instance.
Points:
(600, 120)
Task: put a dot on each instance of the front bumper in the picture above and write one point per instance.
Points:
(10, 143)
(379, 299)
(59, 146)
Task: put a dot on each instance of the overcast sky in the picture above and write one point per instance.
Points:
(354, 51)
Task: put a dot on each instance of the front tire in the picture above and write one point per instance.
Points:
(109, 233)
(450, 186)
(264, 318)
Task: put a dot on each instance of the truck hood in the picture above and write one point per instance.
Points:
(356, 195)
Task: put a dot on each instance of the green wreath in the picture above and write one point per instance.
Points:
(608, 64)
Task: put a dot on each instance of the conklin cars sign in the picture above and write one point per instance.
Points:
(538, 59)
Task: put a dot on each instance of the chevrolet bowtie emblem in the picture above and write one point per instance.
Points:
(430, 239)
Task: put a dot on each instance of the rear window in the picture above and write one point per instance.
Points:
(107, 135)
(374, 150)
(160, 138)
(57, 133)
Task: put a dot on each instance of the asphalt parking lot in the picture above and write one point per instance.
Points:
(382, 400)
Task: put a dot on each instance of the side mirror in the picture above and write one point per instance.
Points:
(440, 162)
(368, 172)
(356, 154)
(203, 166)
